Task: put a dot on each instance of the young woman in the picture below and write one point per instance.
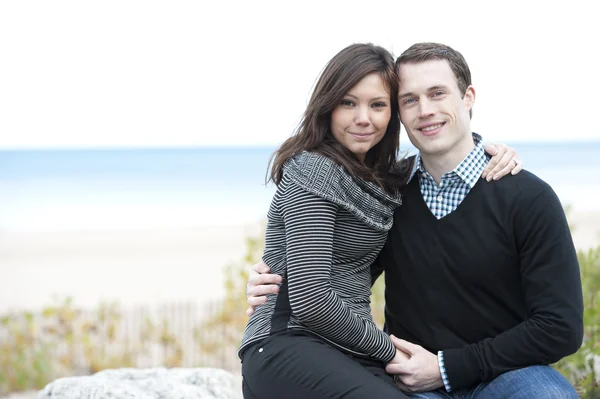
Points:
(338, 180)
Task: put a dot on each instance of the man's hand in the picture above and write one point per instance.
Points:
(419, 373)
(400, 357)
(260, 284)
(504, 160)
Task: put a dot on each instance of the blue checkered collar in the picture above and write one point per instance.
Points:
(469, 170)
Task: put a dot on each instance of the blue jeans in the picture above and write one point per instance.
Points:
(527, 383)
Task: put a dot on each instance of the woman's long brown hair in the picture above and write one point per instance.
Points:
(313, 133)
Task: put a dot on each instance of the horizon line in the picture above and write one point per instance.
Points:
(242, 147)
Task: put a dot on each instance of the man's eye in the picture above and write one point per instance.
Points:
(409, 101)
(438, 93)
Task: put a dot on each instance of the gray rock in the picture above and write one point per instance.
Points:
(21, 395)
(158, 383)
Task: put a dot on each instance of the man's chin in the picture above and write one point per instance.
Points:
(432, 148)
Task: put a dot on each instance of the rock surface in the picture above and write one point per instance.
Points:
(21, 395)
(158, 383)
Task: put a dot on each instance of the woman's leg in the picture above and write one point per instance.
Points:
(298, 365)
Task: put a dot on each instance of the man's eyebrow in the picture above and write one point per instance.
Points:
(429, 90)
(438, 87)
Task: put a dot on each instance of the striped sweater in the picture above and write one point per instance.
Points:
(324, 230)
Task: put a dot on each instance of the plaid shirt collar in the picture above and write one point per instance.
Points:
(469, 170)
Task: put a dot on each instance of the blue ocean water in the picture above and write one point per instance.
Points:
(57, 190)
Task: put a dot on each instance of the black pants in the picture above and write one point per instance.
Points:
(296, 364)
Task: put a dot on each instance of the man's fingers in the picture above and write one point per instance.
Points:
(394, 368)
(256, 280)
(262, 279)
(401, 386)
(261, 267)
(255, 301)
(404, 346)
(260, 284)
(262, 290)
(399, 379)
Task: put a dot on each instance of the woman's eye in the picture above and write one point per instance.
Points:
(347, 103)
(379, 105)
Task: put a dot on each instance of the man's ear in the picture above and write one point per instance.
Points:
(469, 97)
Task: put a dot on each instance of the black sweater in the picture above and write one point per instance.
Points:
(495, 284)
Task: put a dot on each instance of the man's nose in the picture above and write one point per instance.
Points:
(426, 108)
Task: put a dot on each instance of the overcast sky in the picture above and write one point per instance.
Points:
(118, 73)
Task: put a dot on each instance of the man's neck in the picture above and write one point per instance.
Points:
(439, 164)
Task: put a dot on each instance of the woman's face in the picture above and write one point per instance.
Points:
(360, 120)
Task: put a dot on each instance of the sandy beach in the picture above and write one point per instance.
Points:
(585, 227)
(145, 266)
(133, 267)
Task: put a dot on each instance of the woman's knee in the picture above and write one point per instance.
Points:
(304, 367)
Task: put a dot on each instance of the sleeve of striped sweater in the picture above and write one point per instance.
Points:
(309, 230)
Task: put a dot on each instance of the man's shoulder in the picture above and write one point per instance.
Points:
(522, 186)
(525, 178)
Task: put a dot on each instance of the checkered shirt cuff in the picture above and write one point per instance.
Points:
(440, 357)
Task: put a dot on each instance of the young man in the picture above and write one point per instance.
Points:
(482, 282)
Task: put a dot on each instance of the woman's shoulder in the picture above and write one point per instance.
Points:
(313, 167)
(321, 176)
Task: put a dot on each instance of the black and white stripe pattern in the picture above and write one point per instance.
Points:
(324, 231)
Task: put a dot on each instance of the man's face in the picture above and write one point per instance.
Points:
(432, 109)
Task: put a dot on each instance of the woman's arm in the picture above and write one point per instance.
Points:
(309, 229)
